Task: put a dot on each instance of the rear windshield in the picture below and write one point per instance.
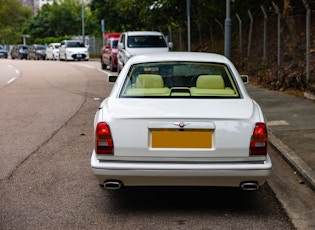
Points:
(146, 41)
(41, 47)
(179, 79)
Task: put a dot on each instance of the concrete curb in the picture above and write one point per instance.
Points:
(309, 96)
(294, 160)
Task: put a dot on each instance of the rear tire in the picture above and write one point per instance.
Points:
(104, 66)
(111, 66)
(118, 69)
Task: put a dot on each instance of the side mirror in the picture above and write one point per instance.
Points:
(121, 46)
(112, 78)
(244, 78)
(170, 45)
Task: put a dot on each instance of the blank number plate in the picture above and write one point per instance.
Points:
(170, 138)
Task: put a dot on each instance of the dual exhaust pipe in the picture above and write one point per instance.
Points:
(246, 186)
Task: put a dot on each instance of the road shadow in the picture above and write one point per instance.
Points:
(193, 199)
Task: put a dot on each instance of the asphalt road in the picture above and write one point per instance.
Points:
(46, 139)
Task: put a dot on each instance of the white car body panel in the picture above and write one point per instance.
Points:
(180, 174)
(125, 52)
(52, 51)
(69, 52)
(128, 116)
(73, 53)
(136, 162)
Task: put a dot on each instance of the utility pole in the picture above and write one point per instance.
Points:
(227, 31)
(188, 24)
(83, 32)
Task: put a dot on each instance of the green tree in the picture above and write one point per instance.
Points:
(118, 15)
(56, 20)
(13, 17)
(163, 14)
(138, 14)
(60, 19)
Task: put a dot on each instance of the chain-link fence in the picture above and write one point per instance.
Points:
(271, 42)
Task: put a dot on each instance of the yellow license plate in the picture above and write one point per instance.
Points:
(181, 138)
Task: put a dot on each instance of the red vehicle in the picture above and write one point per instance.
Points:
(109, 51)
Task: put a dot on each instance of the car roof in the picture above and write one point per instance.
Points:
(131, 33)
(39, 45)
(179, 56)
(112, 38)
(74, 40)
(111, 35)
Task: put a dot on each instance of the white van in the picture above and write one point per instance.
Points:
(140, 42)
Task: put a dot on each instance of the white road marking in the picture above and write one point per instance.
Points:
(103, 71)
(88, 66)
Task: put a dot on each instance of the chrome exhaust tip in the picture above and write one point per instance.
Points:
(112, 185)
(249, 186)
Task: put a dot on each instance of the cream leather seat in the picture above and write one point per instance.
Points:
(211, 85)
(148, 85)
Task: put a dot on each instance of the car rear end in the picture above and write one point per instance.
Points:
(179, 131)
(183, 148)
(40, 52)
(3, 52)
(23, 51)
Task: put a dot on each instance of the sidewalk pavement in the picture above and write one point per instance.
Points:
(291, 123)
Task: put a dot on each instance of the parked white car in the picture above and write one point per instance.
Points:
(52, 51)
(140, 42)
(71, 50)
(180, 119)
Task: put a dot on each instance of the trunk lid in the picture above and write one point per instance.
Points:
(196, 129)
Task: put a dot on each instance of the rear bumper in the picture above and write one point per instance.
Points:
(3, 55)
(23, 56)
(180, 174)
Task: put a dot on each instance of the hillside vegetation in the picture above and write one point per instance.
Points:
(207, 33)
(280, 71)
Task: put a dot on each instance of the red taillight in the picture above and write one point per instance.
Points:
(103, 139)
(259, 140)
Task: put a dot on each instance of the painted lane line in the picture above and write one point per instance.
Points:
(103, 71)
(84, 65)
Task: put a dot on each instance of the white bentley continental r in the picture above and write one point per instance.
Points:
(180, 119)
